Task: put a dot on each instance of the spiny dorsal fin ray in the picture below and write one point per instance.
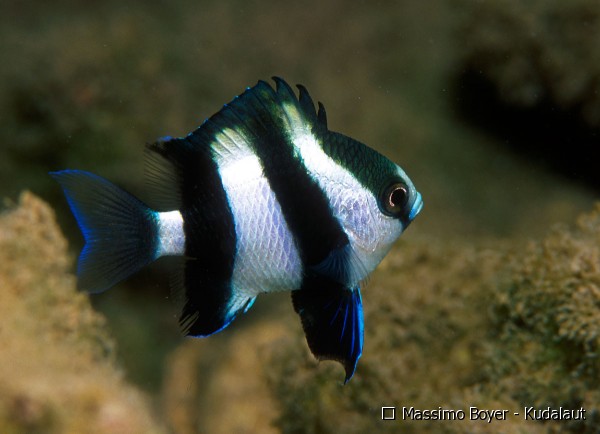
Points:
(256, 122)
(306, 103)
(254, 111)
(322, 116)
(260, 122)
(249, 115)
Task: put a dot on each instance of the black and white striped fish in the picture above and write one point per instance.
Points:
(262, 197)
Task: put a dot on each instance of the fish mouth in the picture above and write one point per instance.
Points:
(416, 208)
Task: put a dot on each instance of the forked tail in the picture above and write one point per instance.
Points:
(120, 231)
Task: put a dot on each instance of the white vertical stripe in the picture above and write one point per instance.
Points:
(370, 232)
(266, 259)
(171, 238)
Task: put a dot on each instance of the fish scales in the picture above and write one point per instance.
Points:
(262, 197)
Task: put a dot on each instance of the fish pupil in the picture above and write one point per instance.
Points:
(398, 196)
(394, 199)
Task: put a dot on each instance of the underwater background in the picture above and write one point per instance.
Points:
(491, 299)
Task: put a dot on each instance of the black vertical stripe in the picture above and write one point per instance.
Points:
(209, 227)
(258, 113)
(210, 239)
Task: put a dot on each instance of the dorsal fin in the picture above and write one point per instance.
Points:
(248, 116)
(263, 123)
(255, 109)
(322, 116)
(163, 174)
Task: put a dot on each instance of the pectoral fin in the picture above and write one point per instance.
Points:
(332, 318)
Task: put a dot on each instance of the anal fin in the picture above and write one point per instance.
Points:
(332, 319)
(210, 304)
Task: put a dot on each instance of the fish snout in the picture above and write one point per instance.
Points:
(416, 207)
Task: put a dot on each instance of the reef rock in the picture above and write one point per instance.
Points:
(496, 325)
(57, 369)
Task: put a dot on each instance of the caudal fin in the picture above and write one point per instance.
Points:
(120, 231)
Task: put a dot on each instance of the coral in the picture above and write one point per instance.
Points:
(458, 326)
(546, 323)
(537, 51)
(415, 318)
(496, 325)
(218, 385)
(423, 329)
(57, 369)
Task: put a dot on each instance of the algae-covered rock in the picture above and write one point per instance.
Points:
(546, 324)
(57, 372)
(218, 385)
(496, 326)
(449, 325)
(424, 326)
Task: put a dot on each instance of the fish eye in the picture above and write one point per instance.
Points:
(394, 199)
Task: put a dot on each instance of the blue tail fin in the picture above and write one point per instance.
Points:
(120, 231)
